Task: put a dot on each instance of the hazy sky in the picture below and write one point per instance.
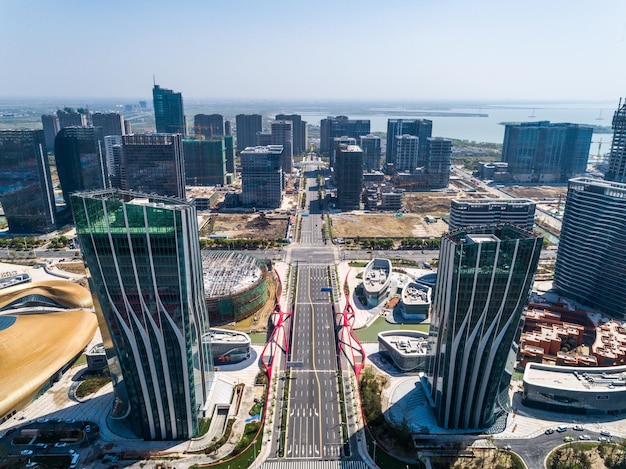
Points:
(322, 49)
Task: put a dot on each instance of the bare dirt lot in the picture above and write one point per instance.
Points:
(246, 225)
(537, 192)
(348, 225)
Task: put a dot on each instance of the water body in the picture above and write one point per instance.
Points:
(480, 123)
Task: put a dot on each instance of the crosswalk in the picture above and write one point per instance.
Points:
(314, 465)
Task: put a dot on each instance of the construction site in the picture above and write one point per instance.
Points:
(237, 286)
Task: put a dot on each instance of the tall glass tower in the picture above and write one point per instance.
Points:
(483, 284)
(617, 157)
(145, 268)
(169, 114)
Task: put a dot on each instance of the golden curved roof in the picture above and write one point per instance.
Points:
(35, 347)
(67, 294)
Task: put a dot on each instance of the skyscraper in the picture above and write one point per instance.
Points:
(340, 126)
(282, 134)
(617, 157)
(81, 160)
(112, 123)
(205, 162)
(483, 284)
(229, 148)
(209, 125)
(370, 144)
(169, 114)
(26, 191)
(421, 128)
(247, 127)
(70, 118)
(406, 153)
(143, 256)
(154, 164)
(438, 158)
(261, 176)
(51, 128)
(590, 264)
(545, 152)
(349, 176)
(299, 131)
(112, 151)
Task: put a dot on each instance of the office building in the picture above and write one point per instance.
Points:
(263, 139)
(474, 212)
(26, 191)
(112, 123)
(370, 144)
(299, 132)
(81, 160)
(282, 134)
(340, 126)
(406, 153)
(209, 125)
(205, 162)
(51, 127)
(349, 176)
(154, 164)
(483, 283)
(112, 152)
(229, 148)
(420, 128)
(228, 127)
(337, 141)
(261, 176)
(590, 264)
(70, 118)
(437, 159)
(169, 114)
(542, 152)
(617, 157)
(143, 258)
(248, 125)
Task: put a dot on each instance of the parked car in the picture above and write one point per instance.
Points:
(87, 428)
(549, 431)
(26, 452)
(584, 437)
(561, 428)
(605, 433)
(60, 444)
(578, 428)
(567, 439)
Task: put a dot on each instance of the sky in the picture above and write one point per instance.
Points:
(395, 50)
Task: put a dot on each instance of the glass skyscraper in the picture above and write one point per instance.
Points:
(617, 158)
(590, 266)
(25, 184)
(169, 114)
(483, 284)
(81, 160)
(143, 256)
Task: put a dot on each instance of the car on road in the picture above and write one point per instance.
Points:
(603, 439)
(561, 428)
(549, 431)
(70, 420)
(42, 420)
(87, 428)
(605, 433)
(26, 452)
(42, 445)
(578, 428)
(584, 437)
(60, 444)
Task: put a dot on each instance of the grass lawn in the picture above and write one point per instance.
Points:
(371, 333)
(258, 338)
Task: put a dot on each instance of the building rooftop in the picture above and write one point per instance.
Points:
(406, 343)
(225, 336)
(414, 293)
(377, 275)
(227, 273)
(605, 379)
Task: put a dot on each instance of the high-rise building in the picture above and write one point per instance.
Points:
(421, 128)
(349, 176)
(370, 144)
(81, 160)
(26, 191)
(169, 114)
(209, 125)
(337, 141)
(112, 146)
(261, 176)
(406, 153)
(484, 280)
(263, 139)
(205, 162)
(340, 126)
(228, 127)
(143, 258)
(617, 157)
(437, 159)
(590, 264)
(282, 134)
(70, 118)
(299, 128)
(229, 148)
(51, 128)
(475, 212)
(154, 164)
(248, 125)
(112, 123)
(545, 152)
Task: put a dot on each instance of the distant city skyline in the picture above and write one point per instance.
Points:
(416, 51)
